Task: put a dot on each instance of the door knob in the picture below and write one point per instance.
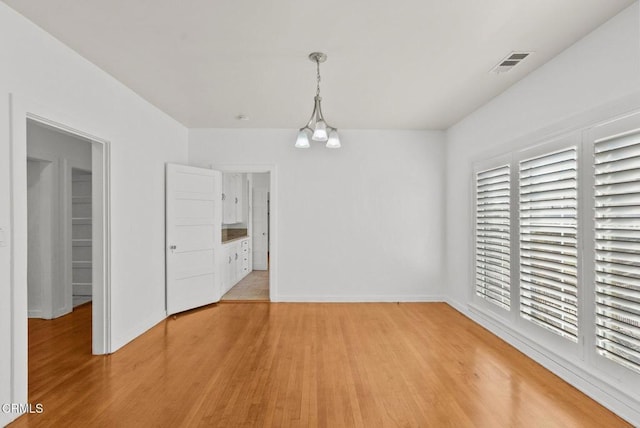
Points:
(172, 247)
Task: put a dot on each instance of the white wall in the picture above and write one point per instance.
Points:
(49, 269)
(39, 70)
(261, 181)
(364, 222)
(48, 144)
(595, 79)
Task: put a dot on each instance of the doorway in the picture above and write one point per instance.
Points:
(23, 111)
(71, 170)
(253, 231)
(59, 217)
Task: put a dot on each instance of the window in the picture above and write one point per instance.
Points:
(557, 249)
(548, 242)
(493, 258)
(617, 248)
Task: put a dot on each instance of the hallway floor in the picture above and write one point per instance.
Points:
(253, 287)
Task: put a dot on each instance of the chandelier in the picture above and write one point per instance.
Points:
(319, 129)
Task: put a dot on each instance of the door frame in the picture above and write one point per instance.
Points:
(273, 219)
(253, 217)
(23, 109)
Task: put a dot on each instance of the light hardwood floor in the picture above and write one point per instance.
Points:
(299, 365)
(253, 287)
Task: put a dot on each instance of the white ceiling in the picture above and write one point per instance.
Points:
(409, 64)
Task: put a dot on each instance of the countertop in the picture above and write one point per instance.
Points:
(237, 238)
(233, 234)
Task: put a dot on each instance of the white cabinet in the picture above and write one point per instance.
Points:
(232, 198)
(228, 267)
(245, 252)
(235, 262)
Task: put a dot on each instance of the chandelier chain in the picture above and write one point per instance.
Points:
(318, 73)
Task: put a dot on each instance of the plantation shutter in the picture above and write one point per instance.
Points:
(493, 235)
(548, 242)
(617, 264)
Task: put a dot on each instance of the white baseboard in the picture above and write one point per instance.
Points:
(619, 402)
(7, 418)
(360, 298)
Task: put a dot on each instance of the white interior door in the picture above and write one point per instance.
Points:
(193, 236)
(260, 229)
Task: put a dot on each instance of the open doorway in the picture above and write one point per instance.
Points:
(249, 231)
(59, 220)
(66, 227)
(60, 248)
(25, 113)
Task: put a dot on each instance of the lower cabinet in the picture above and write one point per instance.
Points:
(244, 258)
(235, 263)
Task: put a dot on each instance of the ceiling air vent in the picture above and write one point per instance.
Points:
(510, 61)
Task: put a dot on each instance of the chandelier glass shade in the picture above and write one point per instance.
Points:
(317, 127)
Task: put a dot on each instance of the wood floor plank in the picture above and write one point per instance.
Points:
(298, 365)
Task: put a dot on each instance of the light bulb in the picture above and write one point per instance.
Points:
(320, 131)
(302, 142)
(334, 140)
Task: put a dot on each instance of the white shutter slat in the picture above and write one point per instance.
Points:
(556, 284)
(550, 305)
(549, 322)
(493, 172)
(621, 235)
(618, 269)
(555, 196)
(553, 268)
(498, 178)
(542, 163)
(608, 167)
(565, 241)
(492, 274)
(491, 270)
(623, 176)
(618, 281)
(548, 229)
(617, 141)
(551, 177)
(616, 189)
(537, 287)
(567, 282)
(566, 164)
(548, 242)
(549, 205)
(493, 234)
(629, 151)
(628, 200)
(617, 249)
(566, 184)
